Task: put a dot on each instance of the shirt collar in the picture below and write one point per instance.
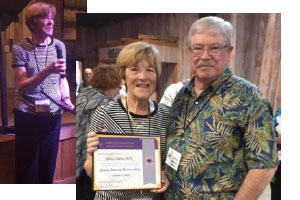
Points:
(215, 84)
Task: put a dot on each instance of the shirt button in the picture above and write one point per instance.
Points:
(196, 102)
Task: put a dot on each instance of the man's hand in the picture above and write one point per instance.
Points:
(165, 184)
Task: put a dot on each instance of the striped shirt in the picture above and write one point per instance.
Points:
(35, 58)
(114, 119)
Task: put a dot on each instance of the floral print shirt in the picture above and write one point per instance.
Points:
(221, 134)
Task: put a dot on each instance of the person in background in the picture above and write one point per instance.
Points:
(276, 181)
(105, 84)
(221, 136)
(136, 114)
(87, 74)
(122, 92)
(171, 91)
(37, 119)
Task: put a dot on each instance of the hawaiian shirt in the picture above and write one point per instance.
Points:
(221, 134)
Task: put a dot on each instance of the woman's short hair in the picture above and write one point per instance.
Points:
(213, 26)
(105, 77)
(39, 9)
(133, 53)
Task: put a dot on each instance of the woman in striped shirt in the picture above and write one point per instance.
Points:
(138, 66)
(40, 73)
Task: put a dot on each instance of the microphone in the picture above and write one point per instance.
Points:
(59, 56)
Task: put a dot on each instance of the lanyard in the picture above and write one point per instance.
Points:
(186, 108)
(37, 64)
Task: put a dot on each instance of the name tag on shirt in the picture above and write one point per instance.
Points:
(173, 158)
(42, 105)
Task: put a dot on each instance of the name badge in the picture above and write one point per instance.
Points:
(173, 158)
(42, 105)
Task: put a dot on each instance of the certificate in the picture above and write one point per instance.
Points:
(127, 162)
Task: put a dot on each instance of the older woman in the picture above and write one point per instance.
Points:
(37, 119)
(105, 85)
(138, 67)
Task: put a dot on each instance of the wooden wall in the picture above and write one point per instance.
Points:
(257, 44)
(86, 49)
(7, 159)
(153, 24)
(65, 171)
(257, 51)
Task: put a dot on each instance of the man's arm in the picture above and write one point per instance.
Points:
(254, 184)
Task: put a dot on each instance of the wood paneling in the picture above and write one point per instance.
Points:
(58, 171)
(257, 51)
(86, 48)
(164, 25)
(69, 158)
(7, 159)
(166, 78)
(10, 105)
(65, 171)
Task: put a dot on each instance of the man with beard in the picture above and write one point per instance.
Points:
(221, 136)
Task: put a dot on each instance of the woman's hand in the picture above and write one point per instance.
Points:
(69, 103)
(165, 183)
(92, 142)
(57, 67)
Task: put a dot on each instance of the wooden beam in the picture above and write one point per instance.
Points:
(156, 37)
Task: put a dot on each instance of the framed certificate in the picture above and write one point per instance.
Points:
(127, 162)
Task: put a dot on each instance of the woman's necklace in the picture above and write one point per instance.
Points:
(136, 124)
(35, 53)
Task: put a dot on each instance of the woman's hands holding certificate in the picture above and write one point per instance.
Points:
(92, 142)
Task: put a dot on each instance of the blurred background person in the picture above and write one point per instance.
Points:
(171, 92)
(105, 85)
(87, 74)
(37, 119)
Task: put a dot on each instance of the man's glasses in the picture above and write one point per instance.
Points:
(212, 51)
